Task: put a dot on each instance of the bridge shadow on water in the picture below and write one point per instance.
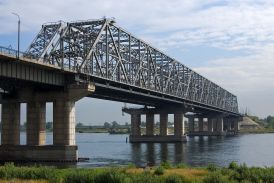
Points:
(150, 154)
(198, 151)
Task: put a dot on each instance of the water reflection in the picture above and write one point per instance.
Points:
(149, 154)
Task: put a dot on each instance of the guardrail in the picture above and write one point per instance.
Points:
(14, 53)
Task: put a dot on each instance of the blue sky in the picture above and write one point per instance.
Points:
(229, 42)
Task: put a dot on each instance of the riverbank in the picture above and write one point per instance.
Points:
(165, 173)
(256, 131)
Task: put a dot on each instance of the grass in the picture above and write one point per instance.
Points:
(165, 173)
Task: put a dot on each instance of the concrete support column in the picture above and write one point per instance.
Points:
(191, 124)
(220, 124)
(201, 124)
(236, 125)
(163, 124)
(209, 125)
(149, 124)
(178, 124)
(10, 123)
(63, 122)
(228, 124)
(135, 124)
(36, 119)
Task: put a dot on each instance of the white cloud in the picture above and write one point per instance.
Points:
(230, 25)
(251, 78)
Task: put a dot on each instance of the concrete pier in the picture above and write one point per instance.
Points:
(10, 134)
(163, 124)
(36, 121)
(216, 125)
(63, 148)
(209, 125)
(201, 124)
(178, 124)
(149, 124)
(63, 122)
(135, 125)
(190, 124)
(136, 136)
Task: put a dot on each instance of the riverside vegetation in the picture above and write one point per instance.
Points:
(165, 173)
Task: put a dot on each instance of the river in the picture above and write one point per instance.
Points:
(112, 150)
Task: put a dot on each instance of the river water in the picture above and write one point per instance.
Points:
(112, 150)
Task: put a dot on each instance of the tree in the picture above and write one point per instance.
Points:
(79, 125)
(49, 125)
(270, 121)
(115, 124)
(107, 125)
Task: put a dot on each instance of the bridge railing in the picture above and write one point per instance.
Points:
(14, 53)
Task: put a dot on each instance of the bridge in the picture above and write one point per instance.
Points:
(96, 58)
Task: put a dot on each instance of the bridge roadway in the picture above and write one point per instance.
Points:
(67, 62)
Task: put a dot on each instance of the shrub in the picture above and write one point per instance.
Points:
(233, 165)
(174, 179)
(212, 167)
(215, 177)
(159, 170)
(146, 178)
(181, 165)
(111, 177)
(166, 165)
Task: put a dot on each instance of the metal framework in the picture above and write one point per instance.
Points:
(99, 48)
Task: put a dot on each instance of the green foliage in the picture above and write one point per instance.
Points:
(181, 165)
(146, 178)
(175, 179)
(166, 165)
(159, 170)
(233, 165)
(233, 173)
(270, 121)
(111, 177)
(211, 167)
(215, 177)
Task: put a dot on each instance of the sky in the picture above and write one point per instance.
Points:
(229, 42)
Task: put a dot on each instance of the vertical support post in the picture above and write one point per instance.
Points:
(228, 124)
(10, 123)
(236, 125)
(209, 125)
(36, 119)
(135, 124)
(201, 124)
(178, 124)
(220, 124)
(63, 122)
(163, 124)
(150, 124)
(191, 124)
(214, 124)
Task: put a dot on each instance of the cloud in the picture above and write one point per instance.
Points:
(251, 78)
(241, 25)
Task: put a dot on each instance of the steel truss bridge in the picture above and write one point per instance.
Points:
(124, 68)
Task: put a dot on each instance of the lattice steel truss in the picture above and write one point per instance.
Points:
(101, 49)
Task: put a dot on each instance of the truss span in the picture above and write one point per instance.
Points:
(99, 48)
